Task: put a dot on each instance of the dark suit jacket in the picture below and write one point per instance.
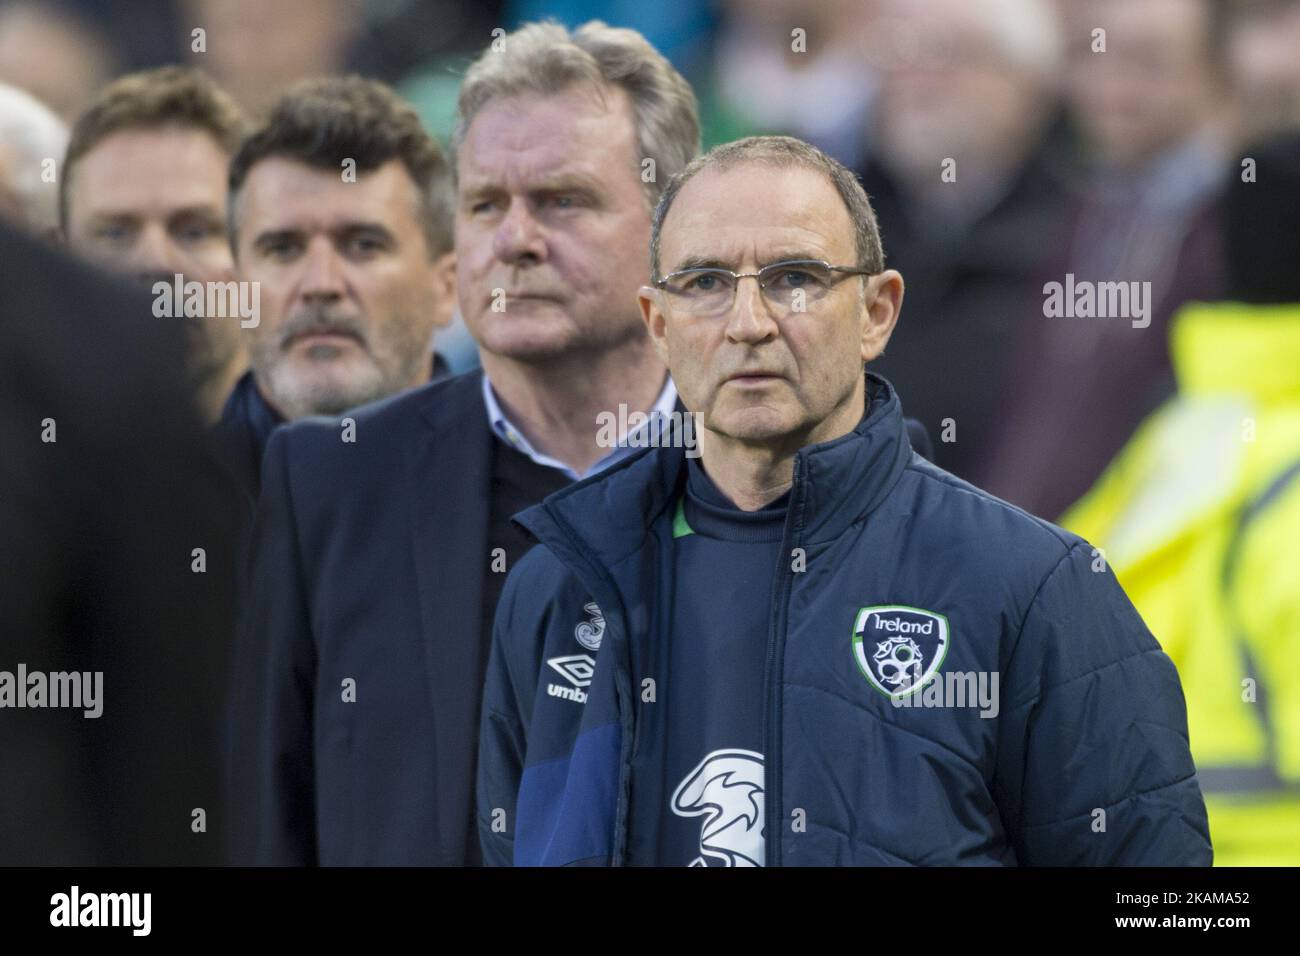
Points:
(366, 581)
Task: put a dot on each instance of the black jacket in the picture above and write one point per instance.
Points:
(100, 528)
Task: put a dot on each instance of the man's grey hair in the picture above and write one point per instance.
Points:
(547, 59)
(30, 134)
(782, 152)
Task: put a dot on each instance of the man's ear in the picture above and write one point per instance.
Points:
(443, 277)
(884, 300)
(655, 321)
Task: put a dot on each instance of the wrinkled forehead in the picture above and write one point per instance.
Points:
(516, 141)
(754, 213)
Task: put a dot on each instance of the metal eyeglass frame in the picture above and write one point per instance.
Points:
(844, 271)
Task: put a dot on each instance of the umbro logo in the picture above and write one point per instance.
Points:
(567, 693)
(577, 670)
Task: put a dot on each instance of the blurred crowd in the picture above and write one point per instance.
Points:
(1090, 138)
(1005, 145)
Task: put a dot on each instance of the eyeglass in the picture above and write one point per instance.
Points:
(794, 285)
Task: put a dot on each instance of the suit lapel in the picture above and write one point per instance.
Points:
(449, 483)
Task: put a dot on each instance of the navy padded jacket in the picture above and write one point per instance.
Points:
(1085, 763)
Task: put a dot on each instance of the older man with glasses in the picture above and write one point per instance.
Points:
(815, 647)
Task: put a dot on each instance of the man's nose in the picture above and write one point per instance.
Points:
(322, 276)
(518, 238)
(750, 319)
(155, 254)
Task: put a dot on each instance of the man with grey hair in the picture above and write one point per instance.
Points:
(383, 540)
(32, 141)
(815, 648)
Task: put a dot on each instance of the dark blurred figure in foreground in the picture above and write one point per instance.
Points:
(1148, 96)
(965, 180)
(1199, 516)
(106, 493)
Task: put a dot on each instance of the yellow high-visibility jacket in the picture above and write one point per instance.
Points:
(1199, 517)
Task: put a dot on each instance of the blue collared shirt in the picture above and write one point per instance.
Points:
(512, 436)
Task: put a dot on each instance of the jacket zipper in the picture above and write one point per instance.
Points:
(627, 726)
(773, 675)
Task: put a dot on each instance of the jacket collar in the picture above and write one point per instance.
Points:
(246, 404)
(242, 432)
(604, 519)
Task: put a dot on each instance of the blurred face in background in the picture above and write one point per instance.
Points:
(52, 54)
(954, 88)
(151, 203)
(350, 294)
(552, 225)
(255, 49)
(1153, 87)
(832, 19)
(1264, 60)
